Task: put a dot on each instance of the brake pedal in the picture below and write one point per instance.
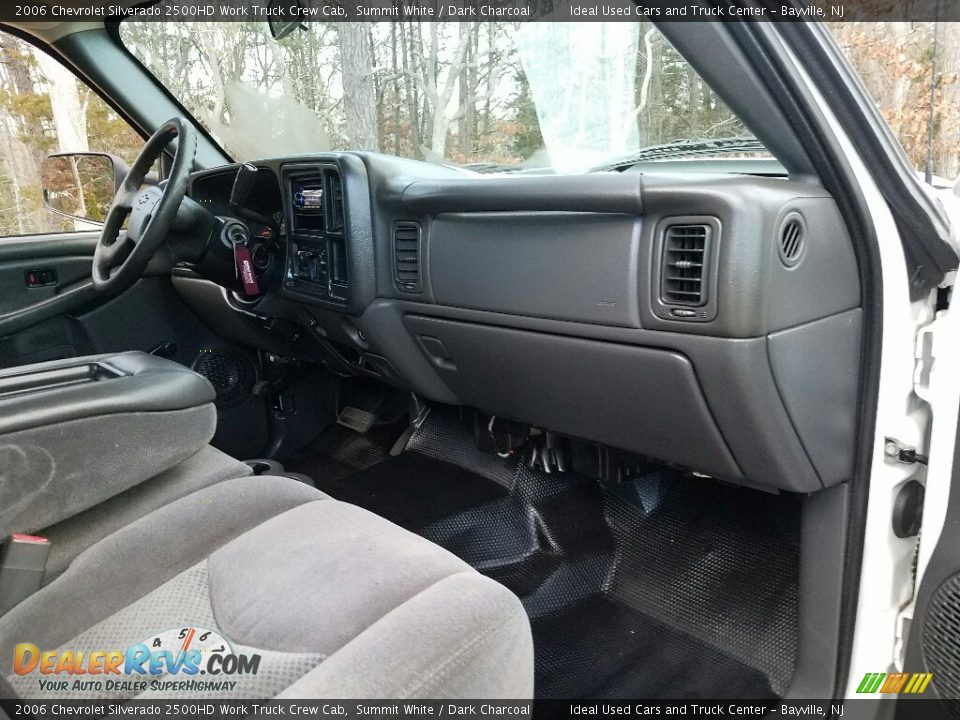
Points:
(356, 419)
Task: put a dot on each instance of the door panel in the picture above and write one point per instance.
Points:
(69, 319)
(51, 339)
(65, 258)
(27, 282)
(33, 327)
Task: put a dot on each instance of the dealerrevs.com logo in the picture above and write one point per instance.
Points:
(169, 661)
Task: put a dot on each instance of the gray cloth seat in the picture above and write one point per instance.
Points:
(72, 536)
(336, 601)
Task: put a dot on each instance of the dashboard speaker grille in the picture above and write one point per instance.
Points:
(792, 239)
(231, 374)
(684, 262)
(406, 255)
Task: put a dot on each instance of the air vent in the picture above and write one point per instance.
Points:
(682, 274)
(792, 239)
(406, 254)
(334, 208)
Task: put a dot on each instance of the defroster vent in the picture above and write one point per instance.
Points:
(406, 256)
(683, 273)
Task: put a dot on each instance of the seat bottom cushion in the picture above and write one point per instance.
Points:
(335, 601)
(72, 536)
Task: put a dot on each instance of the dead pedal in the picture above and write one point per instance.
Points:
(356, 419)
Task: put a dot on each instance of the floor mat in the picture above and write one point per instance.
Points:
(664, 586)
(600, 648)
(414, 490)
(340, 452)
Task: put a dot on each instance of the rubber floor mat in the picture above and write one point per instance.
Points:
(663, 586)
(340, 452)
(600, 648)
(414, 490)
(716, 562)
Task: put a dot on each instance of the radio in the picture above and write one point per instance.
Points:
(310, 263)
(308, 198)
(316, 244)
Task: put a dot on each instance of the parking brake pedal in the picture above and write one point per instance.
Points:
(356, 419)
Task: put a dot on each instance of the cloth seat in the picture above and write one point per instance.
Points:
(72, 536)
(336, 601)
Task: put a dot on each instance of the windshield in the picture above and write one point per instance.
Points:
(537, 97)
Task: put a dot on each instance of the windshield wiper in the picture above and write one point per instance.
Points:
(685, 148)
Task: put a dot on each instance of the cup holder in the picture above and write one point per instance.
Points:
(265, 467)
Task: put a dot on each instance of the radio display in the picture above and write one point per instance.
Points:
(308, 198)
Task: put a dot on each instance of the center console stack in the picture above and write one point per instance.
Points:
(317, 262)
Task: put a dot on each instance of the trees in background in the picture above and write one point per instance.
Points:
(360, 101)
(432, 90)
(895, 61)
(44, 109)
(25, 138)
(453, 92)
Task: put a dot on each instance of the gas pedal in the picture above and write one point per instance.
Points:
(356, 419)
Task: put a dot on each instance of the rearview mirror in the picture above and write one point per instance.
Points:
(81, 185)
(285, 18)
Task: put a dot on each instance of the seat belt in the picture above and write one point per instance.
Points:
(22, 564)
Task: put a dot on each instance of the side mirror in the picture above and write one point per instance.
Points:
(81, 185)
(285, 18)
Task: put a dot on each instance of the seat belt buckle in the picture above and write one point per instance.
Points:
(22, 564)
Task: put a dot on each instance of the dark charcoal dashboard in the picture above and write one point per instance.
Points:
(711, 321)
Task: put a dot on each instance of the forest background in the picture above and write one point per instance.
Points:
(443, 92)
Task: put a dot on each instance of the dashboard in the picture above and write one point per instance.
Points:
(706, 320)
(268, 226)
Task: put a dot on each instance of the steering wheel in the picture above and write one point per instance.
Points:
(122, 255)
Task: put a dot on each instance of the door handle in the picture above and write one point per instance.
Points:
(40, 278)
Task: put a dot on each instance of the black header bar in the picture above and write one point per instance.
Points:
(186, 707)
(480, 10)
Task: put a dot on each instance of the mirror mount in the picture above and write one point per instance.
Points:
(285, 18)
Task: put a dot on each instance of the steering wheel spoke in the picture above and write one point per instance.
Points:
(124, 197)
(123, 252)
(116, 217)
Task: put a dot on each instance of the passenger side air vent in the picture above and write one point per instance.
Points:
(406, 256)
(683, 270)
(792, 239)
